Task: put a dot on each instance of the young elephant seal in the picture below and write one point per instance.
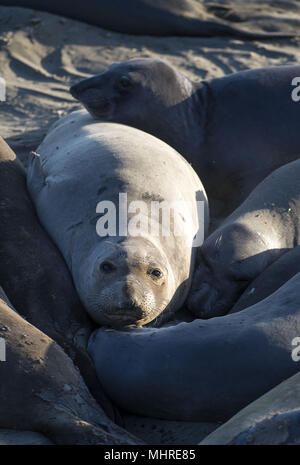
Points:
(206, 370)
(264, 227)
(35, 276)
(42, 391)
(123, 277)
(223, 126)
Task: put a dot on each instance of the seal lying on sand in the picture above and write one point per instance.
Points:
(147, 17)
(35, 276)
(126, 272)
(230, 129)
(264, 227)
(205, 370)
(42, 391)
(273, 419)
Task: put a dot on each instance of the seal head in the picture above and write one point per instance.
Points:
(125, 88)
(126, 283)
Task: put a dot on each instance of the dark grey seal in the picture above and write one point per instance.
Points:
(206, 370)
(35, 277)
(273, 419)
(41, 390)
(149, 17)
(262, 229)
(234, 130)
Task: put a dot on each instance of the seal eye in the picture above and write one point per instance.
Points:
(156, 273)
(124, 82)
(107, 267)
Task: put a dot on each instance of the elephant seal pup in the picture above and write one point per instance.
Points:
(273, 419)
(265, 226)
(35, 277)
(206, 370)
(218, 125)
(42, 391)
(274, 276)
(128, 267)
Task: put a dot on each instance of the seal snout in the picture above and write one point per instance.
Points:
(81, 87)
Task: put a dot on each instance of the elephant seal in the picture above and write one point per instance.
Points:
(273, 419)
(42, 391)
(218, 125)
(35, 277)
(205, 370)
(149, 17)
(125, 270)
(274, 276)
(264, 227)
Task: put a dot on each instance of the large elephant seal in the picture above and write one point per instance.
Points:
(124, 274)
(263, 228)
(152, 17)
(42, 391)
(230, 129)
(273, 419)
(205, 370)
(35, 277)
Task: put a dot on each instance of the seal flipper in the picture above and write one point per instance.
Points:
(35, 176)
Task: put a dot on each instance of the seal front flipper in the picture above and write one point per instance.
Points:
(36, 179)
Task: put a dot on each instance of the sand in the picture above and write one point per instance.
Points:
(42, 54)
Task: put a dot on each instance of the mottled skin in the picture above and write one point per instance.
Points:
(121, 279)
(231, 129)
(273, 419)
(264, 227)
(35, 277)
(206, 370)
(41, 390)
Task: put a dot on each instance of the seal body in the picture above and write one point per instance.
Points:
(35, 277)
(42, 391)
(123, 276)
(146, 17)
(204, 370)
(273, 419)
(263, 228)
(234, 130)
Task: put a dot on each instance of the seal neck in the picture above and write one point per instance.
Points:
(187, 118)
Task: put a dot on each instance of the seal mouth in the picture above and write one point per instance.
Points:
(102, 111)
(117, 320)
(93, 101)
